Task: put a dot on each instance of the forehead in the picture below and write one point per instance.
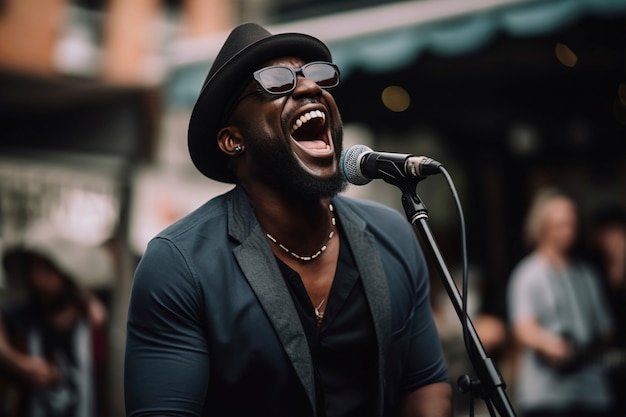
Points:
(559, 208)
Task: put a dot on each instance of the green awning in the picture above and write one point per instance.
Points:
(390, 37)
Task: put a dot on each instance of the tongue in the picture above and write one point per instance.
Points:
(312, 144)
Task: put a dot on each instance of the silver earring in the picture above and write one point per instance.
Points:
(238, 148)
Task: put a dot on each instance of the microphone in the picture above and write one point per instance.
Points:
(360, 165)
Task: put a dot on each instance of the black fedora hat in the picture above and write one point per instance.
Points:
(247, 47)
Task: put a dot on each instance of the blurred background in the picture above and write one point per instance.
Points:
(510, 95)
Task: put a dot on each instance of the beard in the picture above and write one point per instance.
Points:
(278, 167)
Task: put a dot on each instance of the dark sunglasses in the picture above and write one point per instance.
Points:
(279, 79)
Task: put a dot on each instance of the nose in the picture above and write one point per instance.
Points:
(306, 87)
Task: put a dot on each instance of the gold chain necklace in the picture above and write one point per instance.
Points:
(320, 250)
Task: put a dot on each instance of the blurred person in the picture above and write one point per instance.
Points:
(609, 242)
(52, 339)
(558, 314)
(280, 297)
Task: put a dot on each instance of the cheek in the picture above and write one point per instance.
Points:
(332, 107)
(259, 121)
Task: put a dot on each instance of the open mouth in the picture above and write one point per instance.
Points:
(310, 131)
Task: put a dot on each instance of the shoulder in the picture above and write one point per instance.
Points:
(391, 234)
(202, 226)
(530, 274)
(394, 235)
(174, 251)
(530, 266)
(210, 212)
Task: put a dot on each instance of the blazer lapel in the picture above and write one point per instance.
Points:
(375, 284)
(263, 274)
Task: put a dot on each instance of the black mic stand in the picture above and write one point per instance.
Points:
(489, 385)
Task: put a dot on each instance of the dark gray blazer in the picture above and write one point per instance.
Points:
(212, 329)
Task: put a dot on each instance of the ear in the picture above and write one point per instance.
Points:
(229, 140)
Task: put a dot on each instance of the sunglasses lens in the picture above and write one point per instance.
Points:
(276, 79)
(325, 75)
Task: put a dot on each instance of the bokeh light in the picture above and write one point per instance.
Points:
(396, 99)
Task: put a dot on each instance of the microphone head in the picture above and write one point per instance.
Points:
(351, 164)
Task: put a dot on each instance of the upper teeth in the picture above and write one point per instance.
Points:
(313, 114)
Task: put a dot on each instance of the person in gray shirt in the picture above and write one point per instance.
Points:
(558, 315)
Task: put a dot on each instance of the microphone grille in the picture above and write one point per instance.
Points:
(351, 164)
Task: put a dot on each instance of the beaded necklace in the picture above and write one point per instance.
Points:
(319, 251)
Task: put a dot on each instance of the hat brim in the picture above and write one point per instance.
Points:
(219, 92)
